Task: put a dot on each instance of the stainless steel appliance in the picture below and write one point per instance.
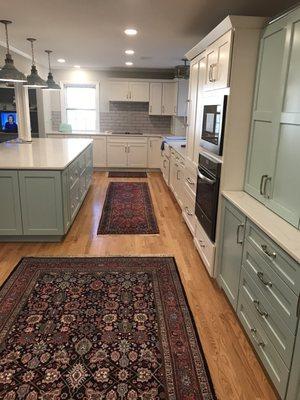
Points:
(214, 115)
(207, 194)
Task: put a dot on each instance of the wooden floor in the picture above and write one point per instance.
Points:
(235, 371)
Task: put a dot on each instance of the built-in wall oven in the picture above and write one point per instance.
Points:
(208, 183)
(213, 123)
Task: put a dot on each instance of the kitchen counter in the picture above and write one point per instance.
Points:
(41, 154)
(176, 145)
(106, 134)
(284, 234)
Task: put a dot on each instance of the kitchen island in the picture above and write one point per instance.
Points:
(42, 186)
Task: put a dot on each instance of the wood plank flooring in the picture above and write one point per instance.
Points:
(235, 371)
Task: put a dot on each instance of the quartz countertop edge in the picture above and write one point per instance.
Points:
(284, 234)
(110, 134)
(41, 154)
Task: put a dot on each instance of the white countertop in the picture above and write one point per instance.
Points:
(107, 134)
(284, 234)
(41, 154)
(176, 145)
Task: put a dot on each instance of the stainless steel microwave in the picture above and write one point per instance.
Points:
(214, 115)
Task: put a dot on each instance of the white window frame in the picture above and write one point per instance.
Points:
(64, 105)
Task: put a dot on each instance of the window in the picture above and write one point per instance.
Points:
(81, 106)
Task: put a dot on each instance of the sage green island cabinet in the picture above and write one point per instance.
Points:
(272, 175)
(42, 186)
(259, 271)
(233, 227)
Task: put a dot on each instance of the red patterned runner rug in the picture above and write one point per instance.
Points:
(128, 209)
(99, 328)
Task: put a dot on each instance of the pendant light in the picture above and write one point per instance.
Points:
(34, 80)
(9, 72)
(51, 85)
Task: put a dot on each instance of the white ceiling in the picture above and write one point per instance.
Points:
(90, 32)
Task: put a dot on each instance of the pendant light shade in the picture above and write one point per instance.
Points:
(51, 85)
(9, 72)
(34, 80)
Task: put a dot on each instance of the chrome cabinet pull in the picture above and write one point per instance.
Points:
(269, 253)
(254, 332)
(261, 278)
(238, 234)
(190, 182)
(260, 312)
(263, 177)
(212, 72)
(150, 109)
(178, 172)
(268, 179)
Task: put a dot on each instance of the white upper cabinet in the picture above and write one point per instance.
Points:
(118, 91)
(169, 98)
(218, 63)
(139, 91)
(155, 102)
(128, 91)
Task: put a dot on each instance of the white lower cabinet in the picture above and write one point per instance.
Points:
(177, 176)
(137, 154)
(154, 152)
(116, 154)
(188, 211)
(99, 151)
(130, 153)
(205, 248)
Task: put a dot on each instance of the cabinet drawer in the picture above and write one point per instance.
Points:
(190, 179)
(287, 268)
(74, 199)
(267, 353)
(275, 290)
(188, 211)
(276, 329)
(81, 163)
(205, 247)
(73, 172)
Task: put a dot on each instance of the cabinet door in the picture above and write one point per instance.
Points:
(169, 98)
(173, 170)
(192, 108)
(139, 91)
(221, 72)
(137, 154)
(266, 113)
(179, 185)
(285, 189)
(118, 91)
(155, 103)
(199, 113)
(41, 202)
(99, 151)
(231, 249)
(166, 169)
(154, 152)
(10, 210)
(182, 97)
(116, 154)
(211, 63)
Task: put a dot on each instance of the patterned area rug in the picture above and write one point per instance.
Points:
(127, 210)
(124, 174)
(99, 328)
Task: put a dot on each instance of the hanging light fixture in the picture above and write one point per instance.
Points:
(34, 80)
(51, 85)
(9, 72)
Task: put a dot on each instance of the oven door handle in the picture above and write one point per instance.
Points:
(204, 178)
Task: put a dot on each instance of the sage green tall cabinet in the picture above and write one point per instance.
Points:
(274, 151)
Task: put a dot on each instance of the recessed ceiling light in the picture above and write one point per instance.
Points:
(61, 60)
(129, 52)
(76, 66)
(129, 63)
(130, 32)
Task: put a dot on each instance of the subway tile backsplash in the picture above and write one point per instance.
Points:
(127, 116)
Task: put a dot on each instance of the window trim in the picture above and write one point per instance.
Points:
(63, 85)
